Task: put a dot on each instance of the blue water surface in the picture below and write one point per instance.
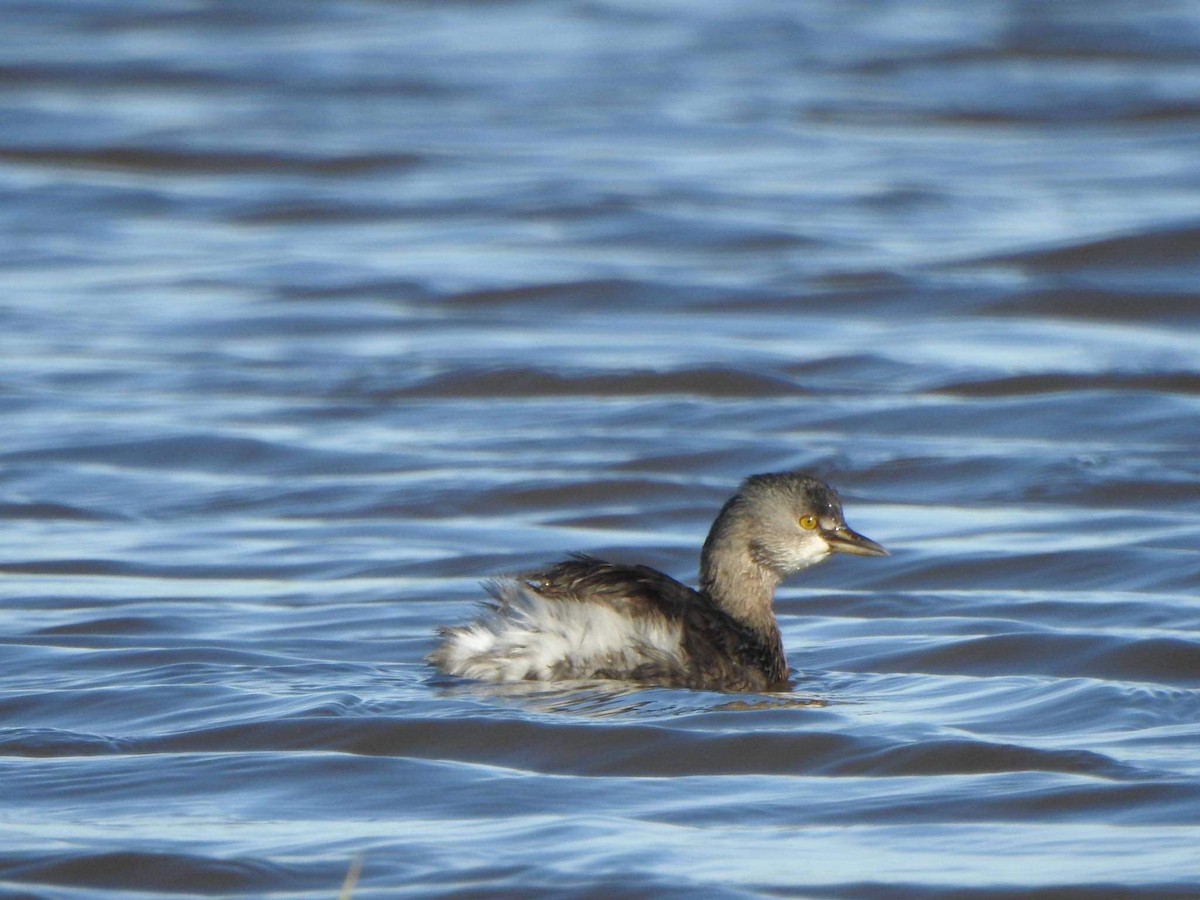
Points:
(316, 314)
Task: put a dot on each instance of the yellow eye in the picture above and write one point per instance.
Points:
(808, 523)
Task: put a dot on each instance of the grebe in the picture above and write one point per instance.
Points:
(585, 618)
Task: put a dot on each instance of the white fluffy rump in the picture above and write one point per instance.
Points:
(527, 636)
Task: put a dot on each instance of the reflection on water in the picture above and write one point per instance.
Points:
(316, 316)
(607, 699)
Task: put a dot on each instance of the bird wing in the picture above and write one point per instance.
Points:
(718, 649)
(633, 590)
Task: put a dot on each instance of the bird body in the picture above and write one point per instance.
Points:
(585, 618)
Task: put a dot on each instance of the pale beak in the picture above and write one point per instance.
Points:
(845, 539)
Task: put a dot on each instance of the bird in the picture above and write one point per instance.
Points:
(588, 619)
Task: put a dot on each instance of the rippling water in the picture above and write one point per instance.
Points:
(316, 314)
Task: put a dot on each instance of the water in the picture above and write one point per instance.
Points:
(314, 315)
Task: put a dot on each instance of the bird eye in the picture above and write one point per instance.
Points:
(808, 523)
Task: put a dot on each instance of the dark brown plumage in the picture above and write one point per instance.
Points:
(720, 652)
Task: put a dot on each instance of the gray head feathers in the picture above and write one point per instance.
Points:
(775, 525)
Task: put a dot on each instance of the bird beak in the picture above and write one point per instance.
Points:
(844, 539)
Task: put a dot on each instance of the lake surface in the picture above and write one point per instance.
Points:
(314, 315)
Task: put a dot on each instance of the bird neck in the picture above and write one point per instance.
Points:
(740, 585)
